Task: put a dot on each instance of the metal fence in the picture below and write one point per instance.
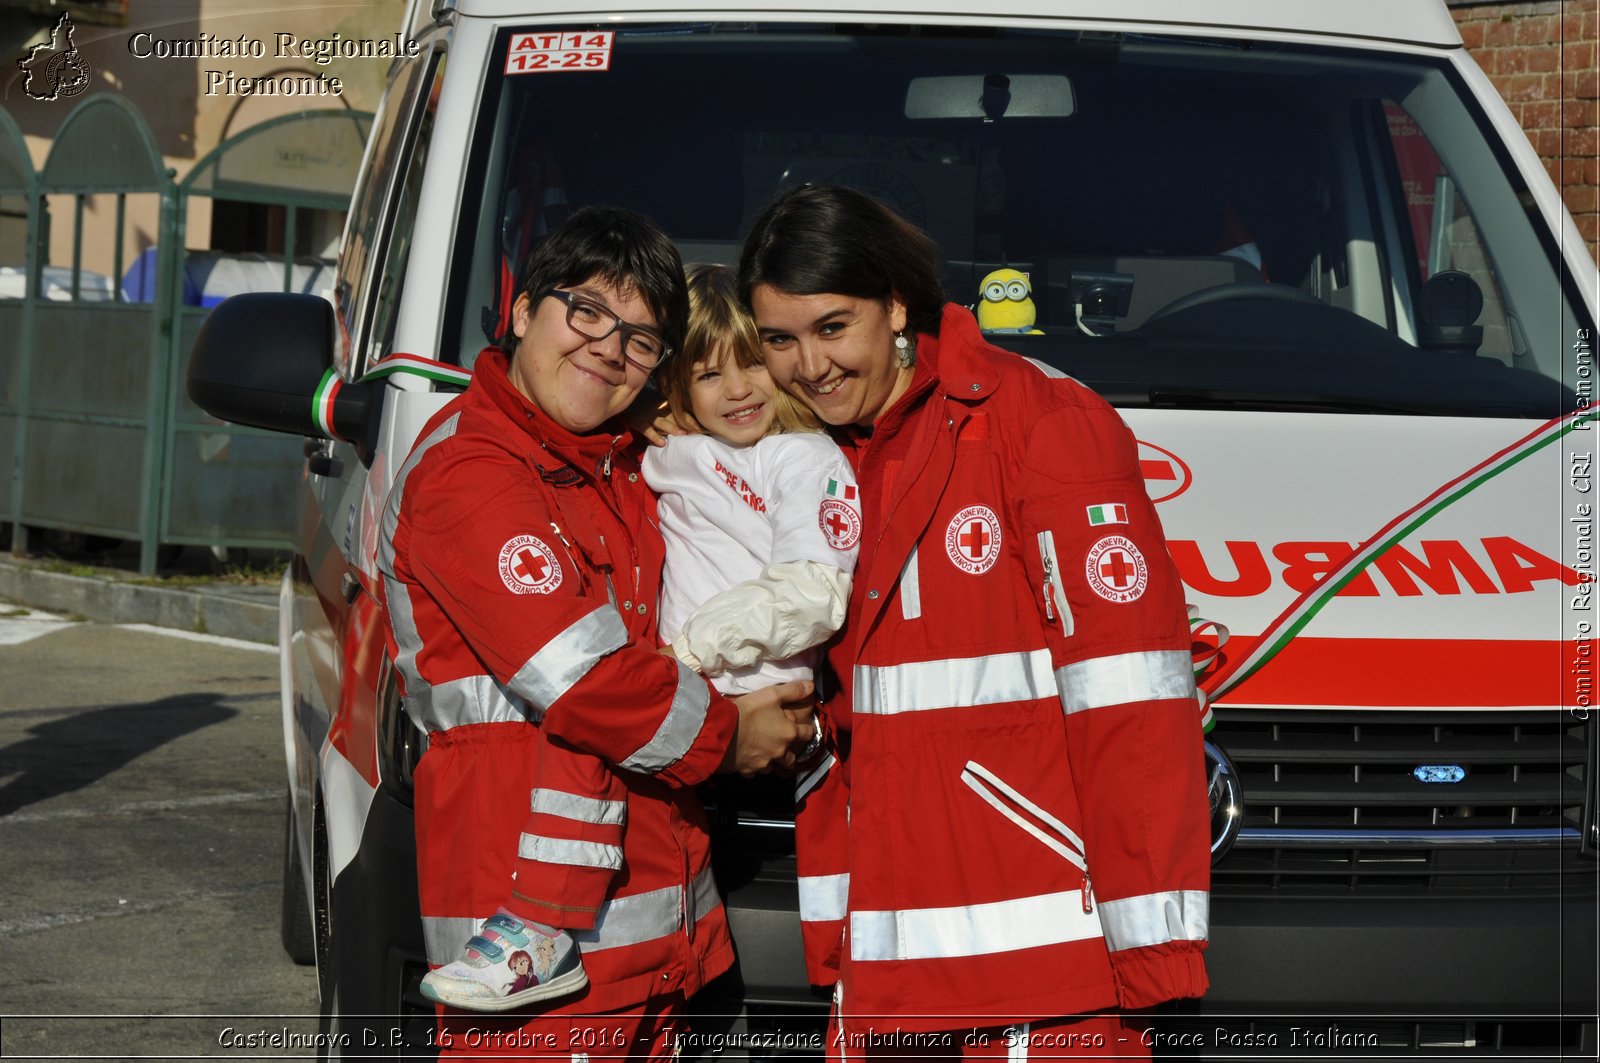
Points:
(96, 431)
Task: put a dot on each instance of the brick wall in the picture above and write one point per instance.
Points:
(1543, 58)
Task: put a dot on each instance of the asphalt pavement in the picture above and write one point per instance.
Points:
(141, 815)
(142, 795)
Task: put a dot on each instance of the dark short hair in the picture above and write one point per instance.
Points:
(816, 239)
(624, 249)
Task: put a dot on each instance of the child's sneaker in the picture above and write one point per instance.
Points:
(506, 965)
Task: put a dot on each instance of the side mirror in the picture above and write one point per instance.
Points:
(265, 359)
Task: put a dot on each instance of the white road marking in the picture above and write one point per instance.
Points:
(32, 924)
(134, 808)
(27, 624)
(195, 636)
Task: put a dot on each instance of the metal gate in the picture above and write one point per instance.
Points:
(96, 433)
(91, 404)
(18, 184)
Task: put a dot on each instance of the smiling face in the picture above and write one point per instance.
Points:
(579, 383)
(834, 352)
(732, 402)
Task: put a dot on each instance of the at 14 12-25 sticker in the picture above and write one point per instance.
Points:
(546, 53)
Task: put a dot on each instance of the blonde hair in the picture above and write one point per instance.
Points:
(720, 325)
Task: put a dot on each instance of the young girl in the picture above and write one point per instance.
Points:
(761, 523)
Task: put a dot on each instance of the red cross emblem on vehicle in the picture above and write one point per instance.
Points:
(973, 539)
(1116, 570)
(840, 524)
(528, 566)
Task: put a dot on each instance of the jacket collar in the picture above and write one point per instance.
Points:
(564, 458)
(964, 372)
(952, 364)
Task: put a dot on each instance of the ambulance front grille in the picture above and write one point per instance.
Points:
(1337, 801)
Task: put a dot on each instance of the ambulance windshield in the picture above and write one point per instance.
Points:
(1195, 222)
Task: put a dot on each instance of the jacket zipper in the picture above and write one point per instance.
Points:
(1007, 801)
(1055, 600)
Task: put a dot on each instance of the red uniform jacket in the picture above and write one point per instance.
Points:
(521, 568)
(1018, 826)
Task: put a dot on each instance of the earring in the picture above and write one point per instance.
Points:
(905, 350)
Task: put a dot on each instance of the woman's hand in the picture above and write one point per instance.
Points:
(773, 723)
(652, 418)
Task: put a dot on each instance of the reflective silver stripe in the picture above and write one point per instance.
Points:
(1049, 370)
(1154, 675)
(472, 699)
(910, 589)
(971, 930)
(569, 852)
(823, 897)
(681, 727)
(408, 643)
(703, 896)
(647, 916)
(954, 683)
(808, 782)
(583, 809)
(1155, 919)
(1017, 1038)
(445, 937)
(622, 921)
(567, 658)
(391, 509)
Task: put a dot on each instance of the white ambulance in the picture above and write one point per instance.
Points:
(1306, 251)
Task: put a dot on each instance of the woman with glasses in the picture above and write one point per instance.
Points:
(1015, 834)
(521, 566)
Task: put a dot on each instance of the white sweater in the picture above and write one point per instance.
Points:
(761, 542)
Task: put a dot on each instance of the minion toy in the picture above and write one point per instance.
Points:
(1006, 306)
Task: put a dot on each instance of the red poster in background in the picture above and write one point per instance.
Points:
(1419, 172)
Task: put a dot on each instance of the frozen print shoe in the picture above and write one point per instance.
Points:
(508, 964)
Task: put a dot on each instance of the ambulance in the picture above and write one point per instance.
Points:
(1303, 248)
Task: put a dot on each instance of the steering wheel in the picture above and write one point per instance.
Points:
(1221, 293)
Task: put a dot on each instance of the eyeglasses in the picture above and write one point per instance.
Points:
(641, 345)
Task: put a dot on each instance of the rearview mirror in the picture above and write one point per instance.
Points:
(990, 97)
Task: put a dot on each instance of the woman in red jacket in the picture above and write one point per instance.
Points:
(1016, 829)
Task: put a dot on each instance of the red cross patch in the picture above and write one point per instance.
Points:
(840, 524)
(1116, 570)
(528, 566)
(973, 539)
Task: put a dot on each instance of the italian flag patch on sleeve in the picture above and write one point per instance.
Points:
(1108, 513)
(839, 489)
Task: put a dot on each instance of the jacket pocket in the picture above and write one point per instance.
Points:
(1031, 817)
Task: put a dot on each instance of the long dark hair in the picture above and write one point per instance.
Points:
(826, 238)
(624, 249)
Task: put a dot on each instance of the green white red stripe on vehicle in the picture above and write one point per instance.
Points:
(416, 365)
(327, 393)
(322, 401)
(1207, 639)
(1292, 621)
